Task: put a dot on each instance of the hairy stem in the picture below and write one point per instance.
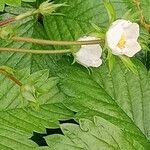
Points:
(27, 14)
(36, 51)
(7, 21)
(19, 17)
(49, 42)
(11, 77)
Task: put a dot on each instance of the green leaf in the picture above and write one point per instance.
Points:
(120, 98)
(110, 10)
(79, 19)
(15, 3)
(57, 28)
(130, 91)
(9, 2)
(29, 27)
(111, 60)
(93, 135)
(96, 95)
(129, 64)
(18, 120)
(145, 8)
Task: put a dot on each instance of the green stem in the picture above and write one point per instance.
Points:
(49, 42)
(11, 77)
(19, 17)
(36, 51)
(7, 21)
(27, 14)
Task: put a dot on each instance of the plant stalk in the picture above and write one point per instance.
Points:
(49, 42)
(36, 51)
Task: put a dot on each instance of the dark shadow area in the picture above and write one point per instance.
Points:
(39, 138)
(53, 131)
(69, 121)
(148, 60)
(40, 19)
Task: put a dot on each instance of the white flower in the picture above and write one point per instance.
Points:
(122, 38)
(89, 55)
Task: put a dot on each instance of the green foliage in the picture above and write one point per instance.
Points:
(95, 134)
(18, 120)
(122, 109)
(112, 107)
(15, 3)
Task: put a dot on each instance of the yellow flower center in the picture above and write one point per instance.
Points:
(122, 42)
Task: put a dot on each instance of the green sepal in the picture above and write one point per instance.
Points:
(48, 7)
(99, 31)
(110, 10)
(111, 60)
(29, 93)
(129, 64)
(74, 61)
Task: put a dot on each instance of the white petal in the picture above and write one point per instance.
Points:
(117, 51)
(113, 35)
(122, 22)
(89, 55)
(96, 63)
(115, 32)
(132, 47)
(132, 32)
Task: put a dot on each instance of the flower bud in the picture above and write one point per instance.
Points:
(29, 92)
(49, 7)
(89, 55)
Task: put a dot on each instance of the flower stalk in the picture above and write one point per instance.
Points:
(49, 42)
(7, 21)
(20, 50)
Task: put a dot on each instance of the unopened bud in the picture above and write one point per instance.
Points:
(29, 93)
(49, 7)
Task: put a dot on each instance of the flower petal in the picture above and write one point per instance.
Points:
(132, 47)
(96, 63)
(113, 35)
(117, 51)
(132, 32)
(115, 32)
(122, 22)
(89, 55)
